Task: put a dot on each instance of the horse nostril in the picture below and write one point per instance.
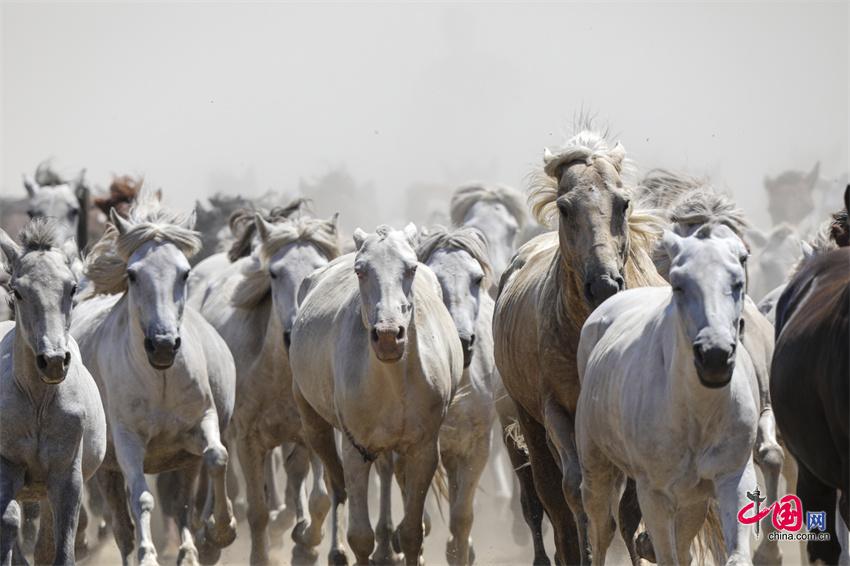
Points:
(620, 283)
(67, 360)
(149, 347)
(177, 342)
(471, 340)
(41, 361)
(400, 334)
(698, 354)
(588, 292)
(374, 334)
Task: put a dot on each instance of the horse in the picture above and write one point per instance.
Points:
(54, 428)
(602, 246)
(459, 260)
(498, 212)
(669, 397)
(253, 304)
(167, 379)
(375, 354)
(809, 385)
(65, 201)
(790, 196)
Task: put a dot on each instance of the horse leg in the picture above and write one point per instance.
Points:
(384, 553)
(769, 457)
(601, 483)
(689, 521)
(251, 458)
(99, 509)
(280, 513)
(65, 493)
(166, 490)
(547, 474)
(419, 464)
(503, 479)
(220, 526)
(361, 537)
(112, 486)
(731, 494)
(817, 496)
(660, 523)
(320, 436)
(29, 531)
(532, 508)
(464, 471)
(296, 462)
(130, 452)
(45, 542)
(630, 515)
(312, 532)
(81, 542)
(184, 487)
(11, 480)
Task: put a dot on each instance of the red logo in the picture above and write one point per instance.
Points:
(787, 513)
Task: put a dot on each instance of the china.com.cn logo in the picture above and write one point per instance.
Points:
(786, 516)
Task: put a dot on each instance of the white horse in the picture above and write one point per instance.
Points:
(498, 212)
(376, 355)
(459, 260)
(51, 415)
(167, 379)
(253, 304)
(670, 398)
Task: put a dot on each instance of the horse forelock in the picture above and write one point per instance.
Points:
(468, 195)
(39, 234)
(467, 240)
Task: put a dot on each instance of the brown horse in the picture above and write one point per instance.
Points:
(810, 384)
(553, 283)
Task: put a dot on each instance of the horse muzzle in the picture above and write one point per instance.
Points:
(162, 350)
(388, 342)
(600, 288)
(466, 346)
(53, 367)
(714, 365)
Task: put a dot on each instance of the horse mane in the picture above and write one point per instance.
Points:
(256, 283)
(467, 195)
(106, 264)
(468, 240)
(585, 146)
(243, 228)
(45, 176)
(123, 189)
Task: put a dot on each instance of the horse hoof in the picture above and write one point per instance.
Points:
(302, 534)
(208, 551)
(542, 560)
(280, 521)
(187, 556)
(396, 541)
(102, 530)
(337, 558)
(304, 555)
(221, 535)
(240, 509)
(643, 545)
(384, 555)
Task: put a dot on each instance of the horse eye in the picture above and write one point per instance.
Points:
(272, 274)
(186, 276)
(73, 213)
(678, 290)
(131, 276)
(73, 290)
(411, 271)
(737, 287)
(17, 295)
(478, 280)
(32, 213)
(359, 271)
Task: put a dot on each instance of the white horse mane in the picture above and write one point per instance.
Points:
(256, 284)
(467, 195)
(468, 240)
(585, 146)
(106, 264)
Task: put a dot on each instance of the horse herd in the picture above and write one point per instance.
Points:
(633, 379)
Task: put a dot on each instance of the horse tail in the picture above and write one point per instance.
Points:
(709, 541)
(440, 487)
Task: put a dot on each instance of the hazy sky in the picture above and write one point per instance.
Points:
(198, 96)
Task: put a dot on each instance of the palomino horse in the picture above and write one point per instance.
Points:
(809, 385)
(54, 429)
(376, 355)
(166, 377)
(670, 398)
(498, 212)
(602, 246)
(459, 260)
(253, 306)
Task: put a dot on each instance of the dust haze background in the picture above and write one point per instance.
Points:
(206, 97)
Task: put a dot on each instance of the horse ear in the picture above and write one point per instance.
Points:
(806, 249)
(359, 237)
(158, 195)
(755, 238)
(548, 156)
(121, 224)
(264, 229)
(11, 250)
(191, 220)
(412, 234)
(813, 176)
(617, 156)
(672, 243)
(332, 222)
(69, 250)
(30, 185)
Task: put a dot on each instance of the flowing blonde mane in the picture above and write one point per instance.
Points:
(106, 264)
(468, 240)
(466, 196)
(256, 283)
(586, 146)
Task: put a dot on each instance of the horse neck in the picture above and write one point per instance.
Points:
(571, 308)
(273, 350)
(125, 327)
(26, 374)
(691, 401)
